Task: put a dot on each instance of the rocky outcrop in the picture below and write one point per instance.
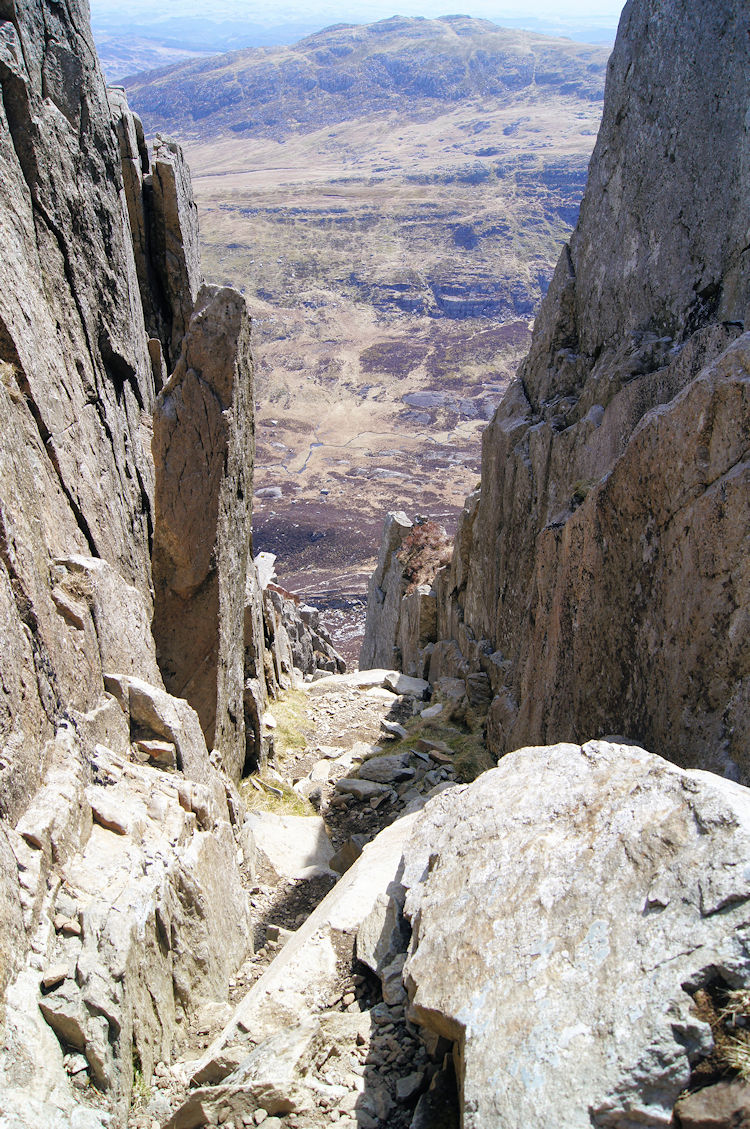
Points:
(120, 841)
(164, 225)
(295, 630)
(607, 889)
(174, 235)
(401, 620)
(384, 593)
(129, 924)
(203, 450)
(600, 580)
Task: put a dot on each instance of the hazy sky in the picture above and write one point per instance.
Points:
(355, 11)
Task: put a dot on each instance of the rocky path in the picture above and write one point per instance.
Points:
(354, 750)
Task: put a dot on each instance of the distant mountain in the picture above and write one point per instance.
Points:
(346, 71)
(130, 48)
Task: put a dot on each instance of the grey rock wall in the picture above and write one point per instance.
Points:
(600, 579)
(203, 448)
(384, 594)
(120, 895)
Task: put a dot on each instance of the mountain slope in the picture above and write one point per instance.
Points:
(347, 71)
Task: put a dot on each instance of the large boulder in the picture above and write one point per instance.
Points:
(600, 579)
(565, 907)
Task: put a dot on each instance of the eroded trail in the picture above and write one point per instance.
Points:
(315, 1031)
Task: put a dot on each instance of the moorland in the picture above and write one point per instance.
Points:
(392, 200)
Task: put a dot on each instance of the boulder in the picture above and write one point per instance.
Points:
(726, 1105)
(296, 846)
(404, 684)
(606, 886)
(269, 1078)
(152, 712)
(387, 769)
(360, 789)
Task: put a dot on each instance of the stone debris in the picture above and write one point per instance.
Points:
(725, 1105)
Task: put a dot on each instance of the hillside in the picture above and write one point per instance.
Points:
(392, 200)
(348, 71)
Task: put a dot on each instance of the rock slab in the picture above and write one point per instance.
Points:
(606, 885)
(203, 452)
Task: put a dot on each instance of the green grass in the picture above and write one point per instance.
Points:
(291, 734)
(293, 728)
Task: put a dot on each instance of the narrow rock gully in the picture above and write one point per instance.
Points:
(315, 1031)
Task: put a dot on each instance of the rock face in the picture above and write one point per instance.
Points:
(203, 457)
(121, 904)
(607, 886)
(386, 588)
(76, 382)
(600, 577)
(401, 621)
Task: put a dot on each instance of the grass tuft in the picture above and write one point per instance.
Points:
(471, 756)
(292, 726)
(288, 802)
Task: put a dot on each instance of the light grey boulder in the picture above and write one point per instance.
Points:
(360, 789)
(563, 908)
(405, 684)
(296, 847)
(387, 769)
